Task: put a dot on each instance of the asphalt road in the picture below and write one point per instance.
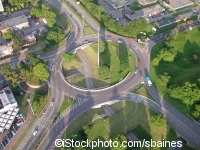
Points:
(85, 99)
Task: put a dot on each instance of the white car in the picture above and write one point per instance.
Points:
(52, 103)
(13, 133)
(36, 23)
(119, 41)
(35, 132)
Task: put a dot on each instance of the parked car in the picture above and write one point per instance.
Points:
(13, 132)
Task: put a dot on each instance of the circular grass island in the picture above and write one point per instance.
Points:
(116, 62)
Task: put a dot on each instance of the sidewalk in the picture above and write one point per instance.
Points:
(21, 130)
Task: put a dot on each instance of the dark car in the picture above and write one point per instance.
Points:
(139, 62)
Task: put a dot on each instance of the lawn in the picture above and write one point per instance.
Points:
(87, 29)
(67, 67)
(142, 91)
(65, 104)
(39, 45)
(113, 55)
(181, 70)
(77, 79)
(122, 122)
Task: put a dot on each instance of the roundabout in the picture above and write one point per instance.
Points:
(116, 63)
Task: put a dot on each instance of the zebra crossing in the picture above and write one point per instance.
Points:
(74, 106)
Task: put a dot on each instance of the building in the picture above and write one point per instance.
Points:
(8, 105)
(14, 24)
(171, 20)
(1, 6)
(177, 4)
(146, 2)
(29, 40)
(119, 3)
(145, 12)
(5, 50)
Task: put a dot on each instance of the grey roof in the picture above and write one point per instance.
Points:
(147, 2)
(148, 11)
(13, 22)
(168, 21)
(120, 3)
(177, 4)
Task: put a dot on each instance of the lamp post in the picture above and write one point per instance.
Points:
(29, 100)
(98, 47)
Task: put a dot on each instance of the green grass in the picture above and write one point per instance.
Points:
(65, 104)
(77, 80)
(67, 67)
(40, 43)
(111, 58)
(181, 70)
(142, 91)
(122, 122)
(87, 30)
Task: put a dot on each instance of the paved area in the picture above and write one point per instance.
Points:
(108, 110)
(87, 69)
(21, 130)
(130, 136)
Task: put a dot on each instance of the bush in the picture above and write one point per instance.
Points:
(158, 120)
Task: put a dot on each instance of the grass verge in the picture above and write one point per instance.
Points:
(142, 91)
(120, 123)
(114, 54)
(78, 80)
(87, 30)
(65, 104)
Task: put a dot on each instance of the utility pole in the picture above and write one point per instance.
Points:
(98, 47)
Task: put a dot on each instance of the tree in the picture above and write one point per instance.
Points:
(102, 45)
(104, 72)
(158, 120)
(189, 93)
(119, 138)
(35, 12)
(41, 72)
(163, 79)
(18, 42)
(10, 75)
(33, 59)
(8, 35)
(67, 57)
(196, 113)
(56, 35)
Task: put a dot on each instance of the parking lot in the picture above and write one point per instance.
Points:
(117, 14)
(6, 136)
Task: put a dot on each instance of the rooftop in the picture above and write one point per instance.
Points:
(5, 50)
(148, 11)
(13, 22)
(177, 4)
(147, 2)
(120, 3)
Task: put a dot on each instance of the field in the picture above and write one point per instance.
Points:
(112, 56)
(181, 70)
(122, 121)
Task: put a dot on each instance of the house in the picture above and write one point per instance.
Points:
(147, 2)
(145, 12)
(29, 40)
(177, 4)
(14, 24)
(171, 20)
(5, 50)
(119, 3)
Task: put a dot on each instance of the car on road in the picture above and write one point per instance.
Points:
(136, 70)
(52, 102)
(139, 62)
(35, 132)
(86, 42)
(119, 41)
